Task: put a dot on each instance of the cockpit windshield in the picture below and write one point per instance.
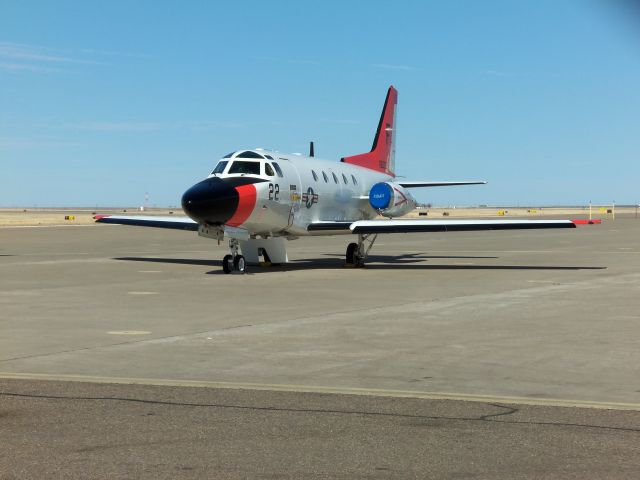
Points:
(249, 154)
(220, 167)
(245, 167)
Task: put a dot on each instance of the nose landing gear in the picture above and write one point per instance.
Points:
(357, 252)
(234, 261)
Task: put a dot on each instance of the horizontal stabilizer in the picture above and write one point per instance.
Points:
(439, 184)
(408, 226)
(176, 223)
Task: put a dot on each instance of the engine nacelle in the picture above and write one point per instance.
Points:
(391, 200)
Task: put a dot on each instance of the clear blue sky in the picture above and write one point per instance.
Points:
(101, 102)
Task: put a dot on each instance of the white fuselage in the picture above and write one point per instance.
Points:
(286, 204)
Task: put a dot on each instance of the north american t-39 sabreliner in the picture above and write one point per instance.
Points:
(260, 199)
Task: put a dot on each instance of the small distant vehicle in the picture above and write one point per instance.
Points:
(259, 199)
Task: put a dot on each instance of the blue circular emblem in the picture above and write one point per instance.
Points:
(380, 196)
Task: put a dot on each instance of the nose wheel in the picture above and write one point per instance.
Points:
(239, 264)
(234, 262)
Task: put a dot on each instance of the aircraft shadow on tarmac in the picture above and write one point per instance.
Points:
(374, 262)
(404, 258)
(181, 261)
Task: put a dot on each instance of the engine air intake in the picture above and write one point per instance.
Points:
(390, 199)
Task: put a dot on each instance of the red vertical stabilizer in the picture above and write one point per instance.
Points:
(382, 155)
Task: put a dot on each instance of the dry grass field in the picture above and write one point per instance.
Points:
(84, 216)
(78, 216)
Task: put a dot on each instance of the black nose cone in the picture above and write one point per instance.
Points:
(211, 201)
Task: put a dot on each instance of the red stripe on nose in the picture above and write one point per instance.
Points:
(246, 203)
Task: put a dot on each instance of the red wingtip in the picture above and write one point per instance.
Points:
(580, 221)
(100, 217)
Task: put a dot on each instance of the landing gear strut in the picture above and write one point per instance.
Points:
(234, 261)
(357, 252)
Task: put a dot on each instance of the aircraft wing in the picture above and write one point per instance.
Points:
(439, 184)
(176, 223)
(408, 226)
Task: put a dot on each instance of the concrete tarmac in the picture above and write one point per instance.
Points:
(529, 318)
(85, 430)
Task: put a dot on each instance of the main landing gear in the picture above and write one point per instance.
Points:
(357, 252)
(234, 261)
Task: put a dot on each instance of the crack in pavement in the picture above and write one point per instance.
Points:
(483, 418)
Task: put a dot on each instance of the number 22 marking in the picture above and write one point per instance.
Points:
(274, 191)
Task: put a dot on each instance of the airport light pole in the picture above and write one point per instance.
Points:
(613, 210)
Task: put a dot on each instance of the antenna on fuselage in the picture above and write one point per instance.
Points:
(311, 150)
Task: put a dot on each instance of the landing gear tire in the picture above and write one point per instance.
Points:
(357, 252)
(239, 264)
(234, 261)
(352, 250)
(227, 264)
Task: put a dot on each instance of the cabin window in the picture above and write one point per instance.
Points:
(278, 169)
(355, 182)
(219, 167)
(335, 179)
(268, 170)
(240, 166)
(249, 154)
(326, 179)
(315, 175)
(269, 157)
(344, 178)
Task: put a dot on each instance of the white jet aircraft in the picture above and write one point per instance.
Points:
(259, 198)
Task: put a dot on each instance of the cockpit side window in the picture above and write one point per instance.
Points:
(249, 154)
(268, 170)
(278, 169)
(228, 155)
(220, 167)
(241, 166)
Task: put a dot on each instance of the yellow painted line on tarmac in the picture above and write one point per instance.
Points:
(550, 402)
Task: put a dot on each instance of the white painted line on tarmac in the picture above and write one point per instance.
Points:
(129, 332)
(149, 271)
(551, 402)
(40, 254)
(142, 293)
(46, 226)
